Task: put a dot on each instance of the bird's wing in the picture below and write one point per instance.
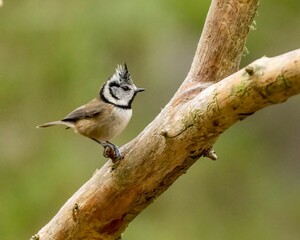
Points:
(91, 109)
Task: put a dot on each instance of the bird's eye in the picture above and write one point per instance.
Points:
(125, 88)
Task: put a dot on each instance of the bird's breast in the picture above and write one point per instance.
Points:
(119, 120)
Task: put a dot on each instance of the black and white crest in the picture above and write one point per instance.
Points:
(124, 74)
(119, 89)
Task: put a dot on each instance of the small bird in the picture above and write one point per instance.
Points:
(107, 115)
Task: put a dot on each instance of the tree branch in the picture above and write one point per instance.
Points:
(105, 205)
(184, 131)
(222, 42)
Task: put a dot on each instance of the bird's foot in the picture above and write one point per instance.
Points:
(111, 151)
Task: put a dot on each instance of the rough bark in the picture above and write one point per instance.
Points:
(185, 130)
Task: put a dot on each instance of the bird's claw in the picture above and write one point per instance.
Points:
(111, 151)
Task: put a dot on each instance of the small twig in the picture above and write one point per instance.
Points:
(210, 153)
(36, 236)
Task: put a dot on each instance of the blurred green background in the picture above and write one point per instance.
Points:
(54, 55)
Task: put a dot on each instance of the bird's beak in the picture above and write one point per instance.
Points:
(139, 90)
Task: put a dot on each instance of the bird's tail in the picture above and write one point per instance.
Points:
(49, 124)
